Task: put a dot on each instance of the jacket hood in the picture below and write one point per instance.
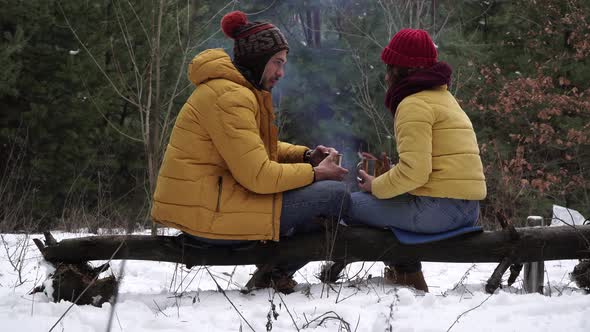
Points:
(214, 64)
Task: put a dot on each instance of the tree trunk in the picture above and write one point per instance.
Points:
(317, 30)
(153, 138)
(307, 28)
(350, 244)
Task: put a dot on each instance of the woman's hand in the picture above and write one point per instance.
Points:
(365, 181)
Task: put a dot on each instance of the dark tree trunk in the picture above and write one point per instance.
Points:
(317, 24)
(307, 28)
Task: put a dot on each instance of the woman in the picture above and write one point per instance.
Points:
(438, 182)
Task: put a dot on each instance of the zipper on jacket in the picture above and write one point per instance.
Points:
(219, 190)
(274, 196)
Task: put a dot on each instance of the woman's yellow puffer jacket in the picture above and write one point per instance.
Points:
(438, 151)
(224, 170)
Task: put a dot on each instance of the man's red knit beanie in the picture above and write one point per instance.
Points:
(410, 48)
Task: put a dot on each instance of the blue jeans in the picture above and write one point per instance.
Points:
(300, 213)
(420, 214)
(303, 206)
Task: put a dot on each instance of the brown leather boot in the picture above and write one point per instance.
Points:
(266, 277)
(414, 279)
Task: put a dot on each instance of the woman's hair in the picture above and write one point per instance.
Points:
(401, 73)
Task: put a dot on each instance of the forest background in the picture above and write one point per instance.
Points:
(89, 91)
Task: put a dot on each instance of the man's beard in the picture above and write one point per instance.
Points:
(275, 81)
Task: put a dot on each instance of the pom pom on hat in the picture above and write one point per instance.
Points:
(232, 21)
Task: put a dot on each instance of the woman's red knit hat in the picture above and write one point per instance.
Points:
(410, 48)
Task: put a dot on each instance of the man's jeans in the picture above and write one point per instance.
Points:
(300, 211)
(303, 206)
(418, 214)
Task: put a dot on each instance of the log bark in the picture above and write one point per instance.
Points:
(351, 244)
(581, 274)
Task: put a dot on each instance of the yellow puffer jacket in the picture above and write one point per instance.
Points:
(224, 170)
(438, 152)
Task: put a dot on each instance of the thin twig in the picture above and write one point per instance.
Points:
(104, 267)
(159, 309)
(92, 57)
(227, 298)
(572, 225)
(36, 280)
(116, 295)
(461, 281)
(464, 313)
(392, 308)
(263, 10)
(288, 311)
(325, 316)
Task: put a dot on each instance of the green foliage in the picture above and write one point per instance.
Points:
(70, 102)
(75, 105)
(534, 121)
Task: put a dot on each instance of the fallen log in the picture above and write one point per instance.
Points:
(347, 244)
(75, 279)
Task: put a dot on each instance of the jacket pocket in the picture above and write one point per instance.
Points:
(219, 192)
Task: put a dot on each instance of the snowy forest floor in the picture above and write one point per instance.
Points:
(156, 296)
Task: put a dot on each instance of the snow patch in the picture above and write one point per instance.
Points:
(160, 296)
(48, 287)
(564, 216)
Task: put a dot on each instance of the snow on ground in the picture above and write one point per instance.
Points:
(158, 296)
(564, 216)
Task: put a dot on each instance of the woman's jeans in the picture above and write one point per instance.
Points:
(301, 210)
(419, 214)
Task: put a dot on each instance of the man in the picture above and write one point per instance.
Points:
(225, 176)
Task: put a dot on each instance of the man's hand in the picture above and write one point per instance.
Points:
(365, 181)
(328, 169)
(320, 153)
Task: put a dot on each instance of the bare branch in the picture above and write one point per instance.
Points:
(92, 56)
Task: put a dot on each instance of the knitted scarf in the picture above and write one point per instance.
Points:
(424, 79)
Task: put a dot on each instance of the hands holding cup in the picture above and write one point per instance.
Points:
(320, 153)
(329, 167)
(365, 181)
(370, 167)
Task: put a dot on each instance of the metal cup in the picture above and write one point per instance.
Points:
(370, 166)
(374, 167)
(337, 160)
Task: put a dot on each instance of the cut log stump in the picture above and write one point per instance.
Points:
(79, 283)
(581, 274)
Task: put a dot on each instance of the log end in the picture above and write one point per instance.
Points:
(581, 274)
(40, 246)
(79, 284)
(49, 239)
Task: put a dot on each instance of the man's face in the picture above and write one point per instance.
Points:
(274, 70)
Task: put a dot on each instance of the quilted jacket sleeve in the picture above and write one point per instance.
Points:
(235, 134)
(290, 153)
(413, 134)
